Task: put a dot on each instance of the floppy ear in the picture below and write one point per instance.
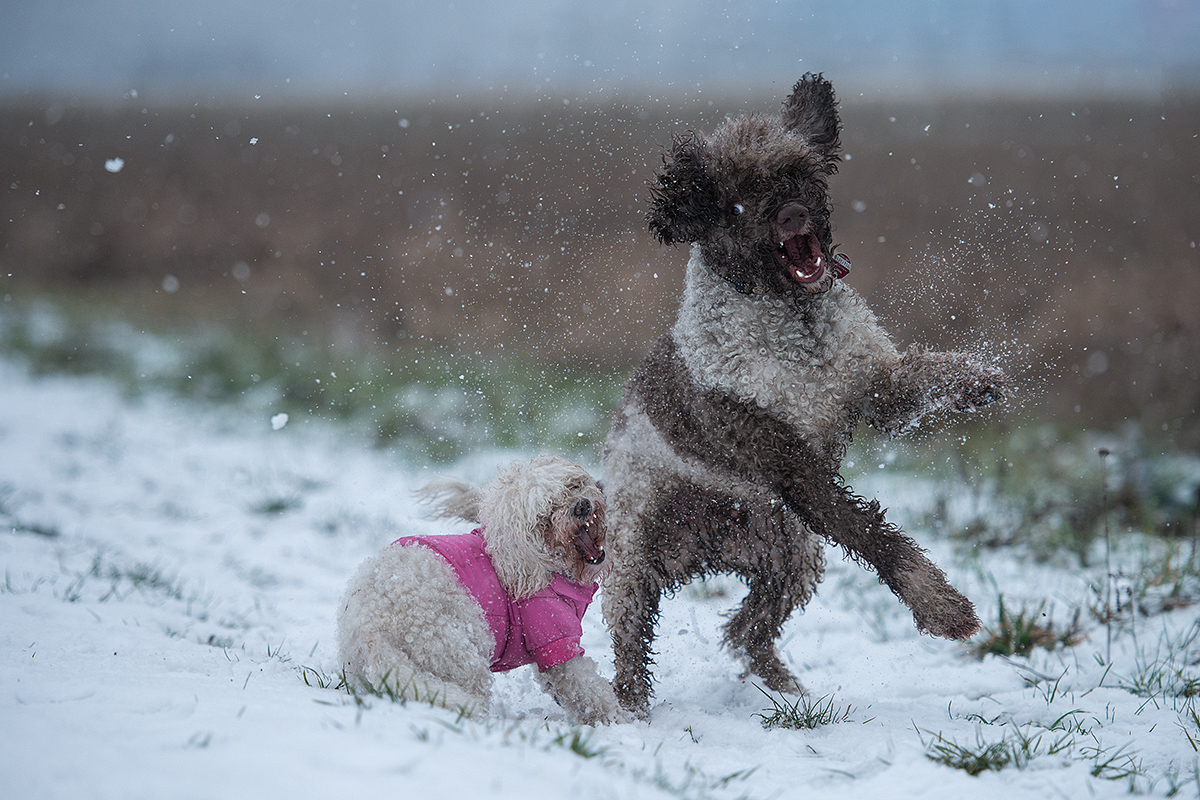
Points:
(513, 512)
(812, 112)
(685, 202)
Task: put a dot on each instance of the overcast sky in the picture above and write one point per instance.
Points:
(273, 48)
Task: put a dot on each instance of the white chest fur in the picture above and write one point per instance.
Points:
(811, 366)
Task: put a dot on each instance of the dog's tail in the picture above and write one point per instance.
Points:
(452, 498)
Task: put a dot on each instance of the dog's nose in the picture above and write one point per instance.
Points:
(792, 218)
(582, 509)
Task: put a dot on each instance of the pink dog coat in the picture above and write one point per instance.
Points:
(542, 629)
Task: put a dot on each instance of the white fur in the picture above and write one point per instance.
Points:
(756, 347)
(406, 621)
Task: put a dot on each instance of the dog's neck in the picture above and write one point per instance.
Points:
(776, 352)
(727, 323)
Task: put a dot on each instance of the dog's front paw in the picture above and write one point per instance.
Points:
(617, 716)
(633, 694)
(984, 386)
(774, 674)
(600, 711)
(949, 616)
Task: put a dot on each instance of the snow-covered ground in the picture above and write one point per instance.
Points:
(170, 575)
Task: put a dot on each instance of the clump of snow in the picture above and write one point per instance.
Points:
(171, 575)
(278, 421)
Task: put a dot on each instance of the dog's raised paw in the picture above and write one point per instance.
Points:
(976, 399)
(955, 619)
(991, 388)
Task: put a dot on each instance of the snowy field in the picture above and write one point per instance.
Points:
(170, 576)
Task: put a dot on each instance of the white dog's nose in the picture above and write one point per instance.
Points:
(582, 510)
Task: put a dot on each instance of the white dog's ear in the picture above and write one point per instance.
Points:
(513, 510)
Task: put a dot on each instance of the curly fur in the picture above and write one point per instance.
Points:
(407, 621)
(724, 452)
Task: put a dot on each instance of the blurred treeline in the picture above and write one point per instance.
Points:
(1058, 235)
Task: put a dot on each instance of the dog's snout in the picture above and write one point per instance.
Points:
(792, 218)
(582, 509)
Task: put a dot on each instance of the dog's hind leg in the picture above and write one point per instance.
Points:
(753, 630)
(781, 580)
(395, 676)
(407, 629)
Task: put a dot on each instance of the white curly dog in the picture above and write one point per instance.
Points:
(432, 617)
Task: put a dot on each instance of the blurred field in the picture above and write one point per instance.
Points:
(1060, 235)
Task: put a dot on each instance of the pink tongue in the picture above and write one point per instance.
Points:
(587, 547)
(804, 265)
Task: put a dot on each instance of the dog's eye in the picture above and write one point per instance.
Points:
(582, 509)
(737, 210)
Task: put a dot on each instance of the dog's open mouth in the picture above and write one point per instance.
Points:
(801, 256)
(587, 548)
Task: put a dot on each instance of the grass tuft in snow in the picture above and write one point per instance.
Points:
(1020, 635)
(48, 531)
(318, 679)
(1113, 764)
(386, 689)
(141, 577)
(277, 504)
(983, 757)
(579, 742)
(1177, 780)
(802, 714)
(694, 783)
(1166, 579)
(10, 520)
(1019, 746)
(124, 579)
(1189, 723)
(1170, 676)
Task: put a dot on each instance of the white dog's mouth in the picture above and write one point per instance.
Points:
(587, 548)
(801, 256)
